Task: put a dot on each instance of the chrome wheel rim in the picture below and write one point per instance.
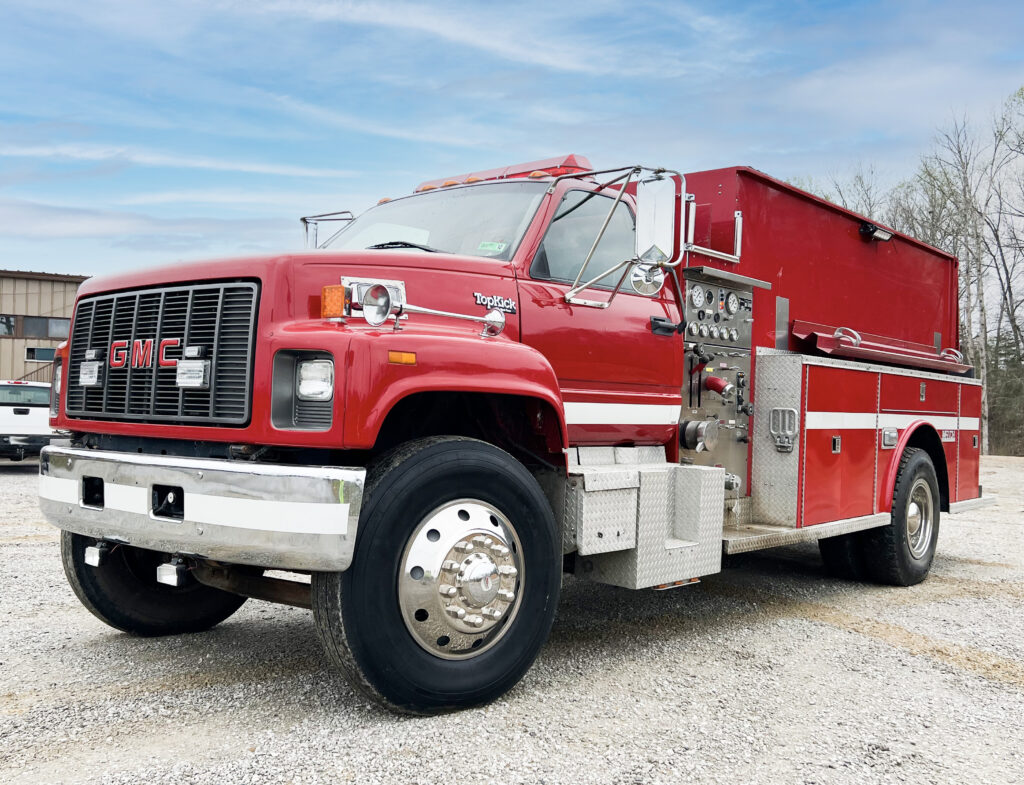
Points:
(920, 518)
(459, 586)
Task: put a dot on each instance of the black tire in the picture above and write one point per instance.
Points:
(357, 612)
(843, 556)
(889, 555)
(123, 591)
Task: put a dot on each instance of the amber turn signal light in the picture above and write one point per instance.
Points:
(402, 358)
(332, 302)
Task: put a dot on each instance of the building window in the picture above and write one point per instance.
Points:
(54, 329)
(58, 329)
(39, 354)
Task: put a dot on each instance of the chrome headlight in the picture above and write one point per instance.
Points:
(314, 380)
(376, 305)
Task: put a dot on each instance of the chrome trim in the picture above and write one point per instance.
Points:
(493, 321)
(268, 515)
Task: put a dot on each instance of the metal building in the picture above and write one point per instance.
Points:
(35, 315)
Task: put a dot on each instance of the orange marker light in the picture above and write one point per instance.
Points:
(402, 358)
(538, 173)
(448, 183)
(427, 188)
(385, 199)
(332, 302)
(472, 179)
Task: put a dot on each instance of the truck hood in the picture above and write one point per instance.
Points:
(291, 283)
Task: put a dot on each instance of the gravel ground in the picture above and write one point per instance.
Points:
(768, 672)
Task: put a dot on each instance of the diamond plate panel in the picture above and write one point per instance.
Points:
(601, 508)
(592, 456)
(774, 475)
(679, 531)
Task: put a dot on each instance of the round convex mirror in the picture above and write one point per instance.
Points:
(647, 279)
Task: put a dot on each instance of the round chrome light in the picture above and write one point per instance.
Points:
(376, 305)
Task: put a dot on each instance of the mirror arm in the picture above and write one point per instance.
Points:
(570, 296)
(604, 227)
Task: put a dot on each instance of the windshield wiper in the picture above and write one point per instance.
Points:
(403, 244)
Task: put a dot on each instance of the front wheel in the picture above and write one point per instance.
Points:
(454, 582)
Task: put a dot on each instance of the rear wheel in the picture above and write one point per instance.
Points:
(454, 583)
(123, 591)
(902, 552)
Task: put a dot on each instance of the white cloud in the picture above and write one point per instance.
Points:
(141, 157)
(35, 220)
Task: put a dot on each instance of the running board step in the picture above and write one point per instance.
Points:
(757, 537)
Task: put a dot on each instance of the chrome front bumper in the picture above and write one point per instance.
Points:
(268, 515)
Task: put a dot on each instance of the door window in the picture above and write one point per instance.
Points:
(571, 234)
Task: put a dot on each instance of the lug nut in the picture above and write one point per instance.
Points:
(492, 613)
(457, 613)
(474, 621)
(499, 550)
(463, 547)
(450, 566)
(505, 595)
(446, 590)
(508, 571)
(482, 542)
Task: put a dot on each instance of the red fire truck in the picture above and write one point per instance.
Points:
(416, 426)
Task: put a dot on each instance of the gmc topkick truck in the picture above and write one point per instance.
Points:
(422, 421)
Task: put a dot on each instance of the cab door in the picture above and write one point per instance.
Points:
(620, 381)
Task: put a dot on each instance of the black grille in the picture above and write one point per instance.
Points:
(220, 317)
(313, 415)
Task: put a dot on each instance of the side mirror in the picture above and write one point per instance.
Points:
(657, 205)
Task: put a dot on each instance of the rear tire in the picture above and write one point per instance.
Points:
(454, 583)
(901, 553)
(123, 591)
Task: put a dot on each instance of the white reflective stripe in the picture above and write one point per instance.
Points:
(840, 420)
(870, 421)
(901, 421)
(127, 498)
(577, 413)
(970, 424)
(267, 515)
(58, 489)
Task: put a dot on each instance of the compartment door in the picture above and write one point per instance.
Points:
(840, 433)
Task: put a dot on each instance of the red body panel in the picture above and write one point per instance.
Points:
(968, 445)
(811, 252)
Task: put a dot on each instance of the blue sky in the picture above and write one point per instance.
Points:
(134, 133)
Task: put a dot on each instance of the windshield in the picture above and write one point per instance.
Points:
(24, 395)
(480, 220)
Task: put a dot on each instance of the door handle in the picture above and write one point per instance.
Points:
(20, 410)
(662, 326)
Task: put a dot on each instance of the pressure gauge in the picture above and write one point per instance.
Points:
(732, 303)
(703, 331)
(714, 331)
(697, 297)
(692, 328)
(734, 334)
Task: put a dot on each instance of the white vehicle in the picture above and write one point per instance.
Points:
(24, 418)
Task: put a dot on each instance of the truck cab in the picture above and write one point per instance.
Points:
(462, 393)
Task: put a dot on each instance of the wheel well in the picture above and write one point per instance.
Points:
(925, 438)
(528, 428)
